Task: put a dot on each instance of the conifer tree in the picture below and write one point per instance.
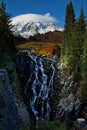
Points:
(7, 48)
(81, 27)
(84, 58)
(81, 22)
(73, 40)
(84, 71)
(75, 47)
(68, 35)
(5, 28)
(78, 42)
(70, 16)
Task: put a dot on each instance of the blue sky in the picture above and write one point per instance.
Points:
(56, 8)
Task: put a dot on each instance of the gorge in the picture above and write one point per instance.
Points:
(45, 90)
(43, 71)
(36, 76)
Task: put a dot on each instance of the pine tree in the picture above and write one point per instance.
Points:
(5, 28)
(84, 59)
(81, 27)
(68, 35)
(70, 16)
(75, 48)
(84, 71)
(83, 42)
(7, 47)
(81, 22)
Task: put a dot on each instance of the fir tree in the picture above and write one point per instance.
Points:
(7, 47)
(84, 71)
(69, 24)
(68, 35)
(70, 16)
(81, 22)
(5, 29)
(84, 58)
(81, 27)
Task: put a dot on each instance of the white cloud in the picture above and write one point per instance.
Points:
(34, 18)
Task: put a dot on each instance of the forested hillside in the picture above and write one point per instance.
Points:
(74, 52)
(52, 37)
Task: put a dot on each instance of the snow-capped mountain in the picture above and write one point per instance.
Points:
(31, 24)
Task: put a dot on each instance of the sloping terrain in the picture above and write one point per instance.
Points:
(53, 37)
(40, 48)
(45, 44)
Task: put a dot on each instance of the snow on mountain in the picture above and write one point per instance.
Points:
(30, 24)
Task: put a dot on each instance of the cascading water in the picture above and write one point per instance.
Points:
(39, 85)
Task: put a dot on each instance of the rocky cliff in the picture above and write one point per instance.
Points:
(8, 110)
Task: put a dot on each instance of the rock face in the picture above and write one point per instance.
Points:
(23, 113)
(8, 110)
(30, 29)
(80, 124)
(37, 84)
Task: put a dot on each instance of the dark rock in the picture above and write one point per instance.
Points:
(23, 113)
(80, 124)
(8, 110)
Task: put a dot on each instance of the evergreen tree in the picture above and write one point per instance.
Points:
(81, 22)
(84, 59)
(70, 17)
(77, 45)
(84, 71)
(5, 28)
(68, 35)
(7, 47)
(81, 27)
(75, 48)
(73, 40)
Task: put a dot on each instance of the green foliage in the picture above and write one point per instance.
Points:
(5, 26)
(5, 60)
(74, 50)
(24, 127)
(7, 48)
(44, 125)
(81, 23)
(84, 70)
(84, 59)
(84, 91)
(73, 41)
(53, 125)
(70, 17)
(69, 36)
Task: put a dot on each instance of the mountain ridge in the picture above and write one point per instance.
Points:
(25, 27)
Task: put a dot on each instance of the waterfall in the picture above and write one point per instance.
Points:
(39, 85)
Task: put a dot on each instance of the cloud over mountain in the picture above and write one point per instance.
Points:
(27, 25)
(44, 19)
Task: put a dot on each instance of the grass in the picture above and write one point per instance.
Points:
(53, 125)
(40, 48)
(44, 125)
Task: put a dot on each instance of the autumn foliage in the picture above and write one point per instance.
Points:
(46, 49)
